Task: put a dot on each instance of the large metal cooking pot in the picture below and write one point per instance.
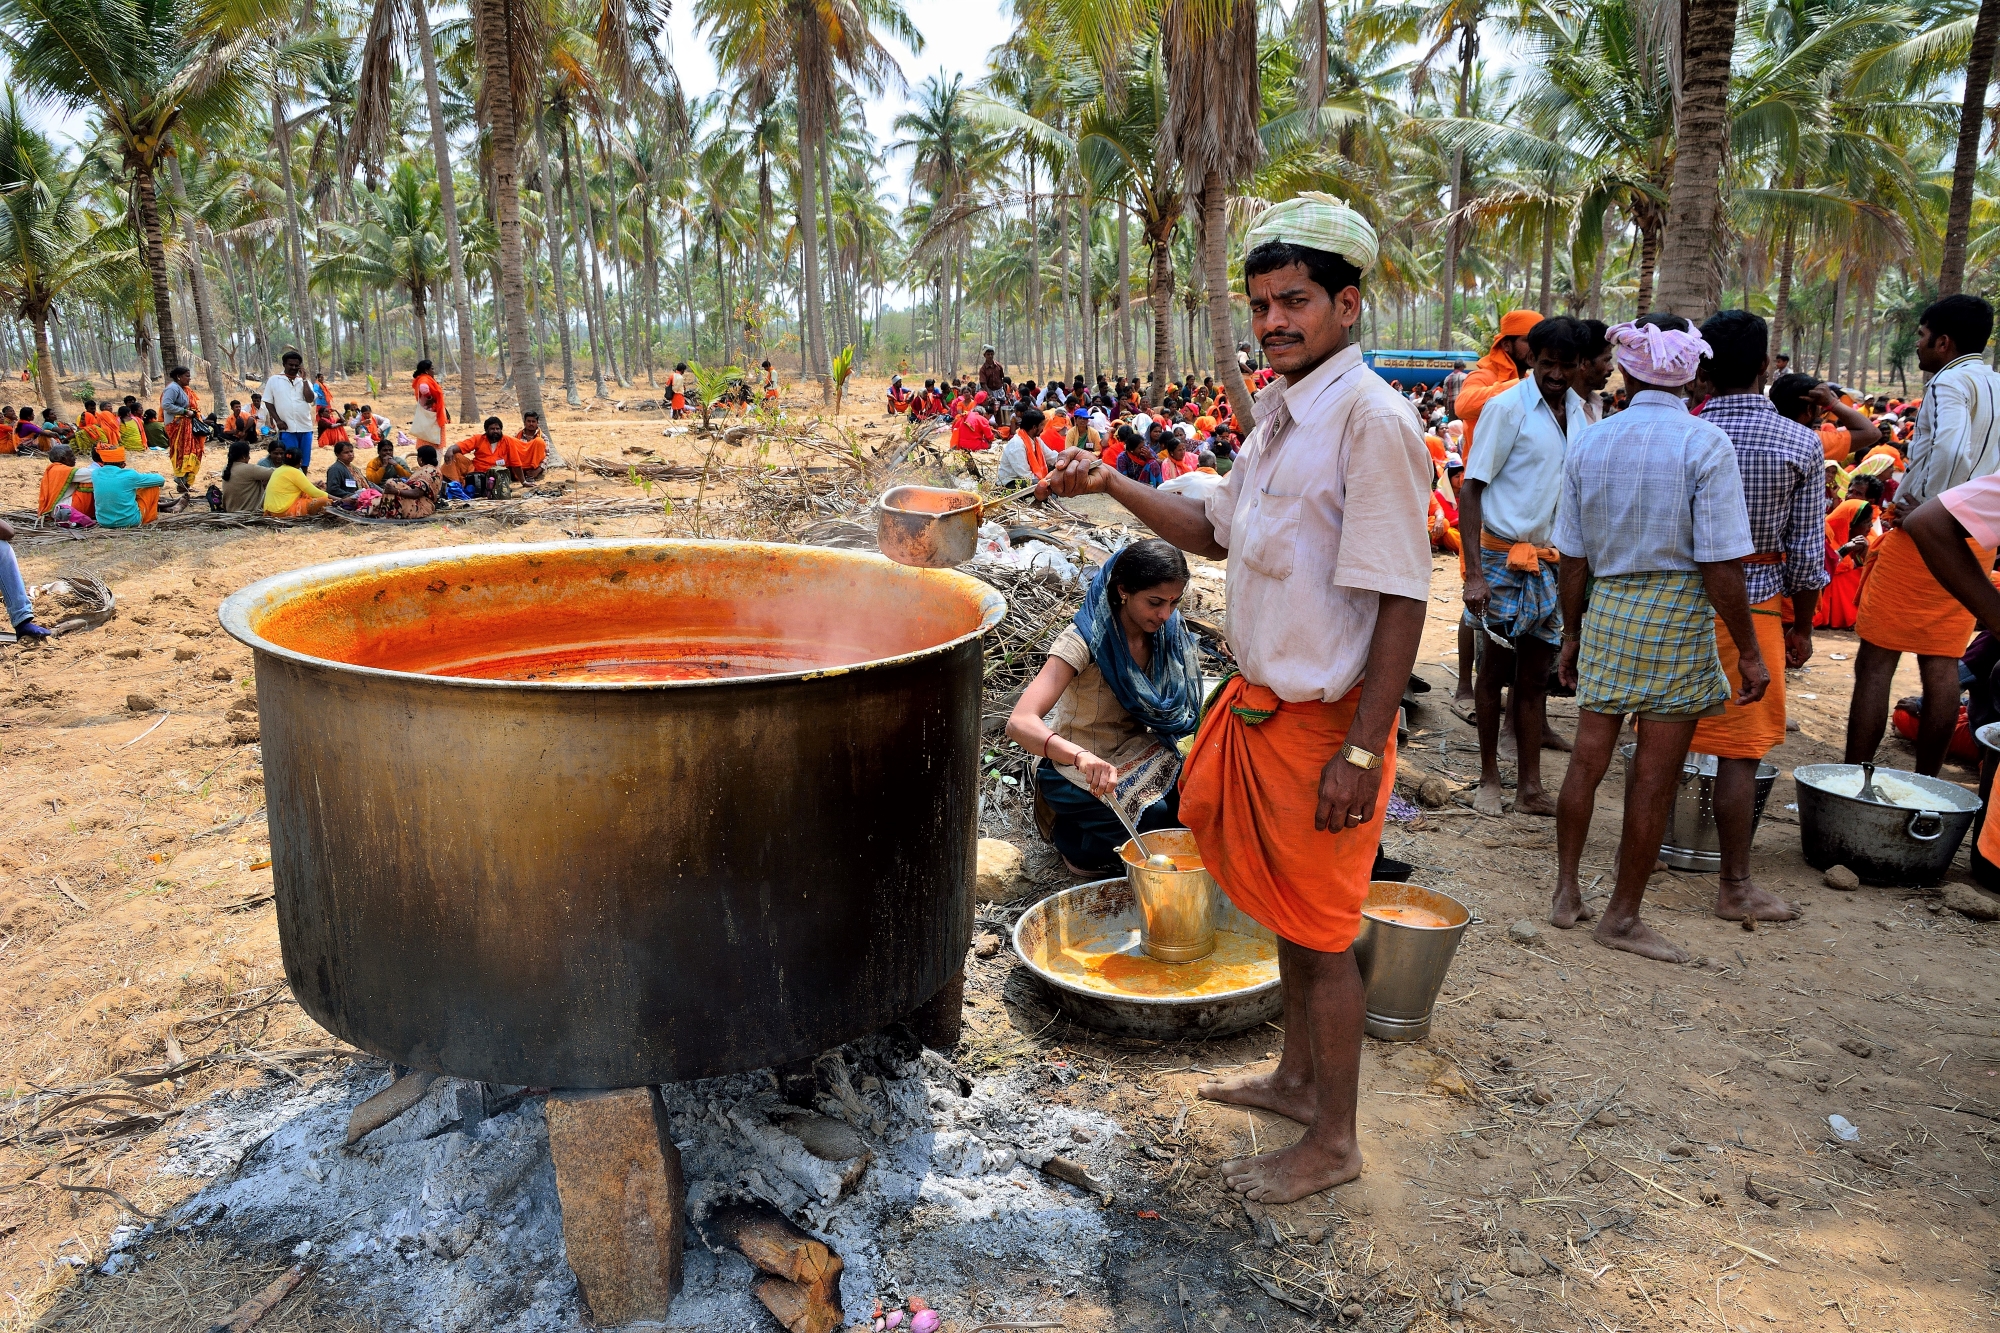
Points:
(1692, 841)
(1907, 837)
(499, 856)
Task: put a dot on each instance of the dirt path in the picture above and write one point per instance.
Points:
(1570, 1149)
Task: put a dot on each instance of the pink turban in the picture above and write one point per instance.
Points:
(1656, 355)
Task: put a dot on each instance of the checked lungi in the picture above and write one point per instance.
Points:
(1648, 647)
(1522, 603)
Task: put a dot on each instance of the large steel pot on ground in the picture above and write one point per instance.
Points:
(498, 855)
(1887, 826)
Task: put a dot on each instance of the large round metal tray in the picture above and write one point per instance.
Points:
(1228, 992)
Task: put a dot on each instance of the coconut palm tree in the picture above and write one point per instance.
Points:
(145, 67)
(1965, 155)
(396, 245)
(45, 242)
(806, 47)
(511, 44)
(1214, 108)
(393, 25)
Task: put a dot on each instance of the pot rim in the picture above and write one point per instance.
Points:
(268, 593)
(1959, 800)
(1142, 1001)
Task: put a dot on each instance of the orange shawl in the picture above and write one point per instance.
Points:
(430, 396)
(56, 487)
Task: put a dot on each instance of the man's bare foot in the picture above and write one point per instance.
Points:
(1078, 870)
(1567, 907)
(1294, 1101)
(1635, 936)
(1555, 740)
(1738, 899)
(1490, 800)
(1292, 1173)
(1536, 802)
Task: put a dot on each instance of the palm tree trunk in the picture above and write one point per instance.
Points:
(204, 323)
(1548, 307)
(841, 332)
(1068, 342)
(813, 346)
(156, 255)
(461, 297)
(1128, 339)
(1781, 314)
(722, 320)
(1834, 342)
(1161, 298)
(1215, 268)
(1087, 295)
(652, 259)
(423, 324)
(552, 227)
(295, 255)
(1965, 162)
(490, 21)
(579, 203)
(1649, 251)
(1034, 311)
(45, 365)
(1468, 46)
(1690, 282)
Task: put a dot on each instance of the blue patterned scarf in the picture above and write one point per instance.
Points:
(1167, 698)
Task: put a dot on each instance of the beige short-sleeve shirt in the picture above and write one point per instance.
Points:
(1089, 714)
(1323, 512)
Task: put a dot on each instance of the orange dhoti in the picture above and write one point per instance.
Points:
(1902, 607)
(1753, 732)
(1249, 791)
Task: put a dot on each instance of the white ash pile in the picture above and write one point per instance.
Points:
(922, 1183)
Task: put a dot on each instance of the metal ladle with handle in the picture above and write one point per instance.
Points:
(1154, 860)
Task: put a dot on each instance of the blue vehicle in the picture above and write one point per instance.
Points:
(1413, 368)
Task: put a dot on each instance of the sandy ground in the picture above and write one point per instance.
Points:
(1573, 1148)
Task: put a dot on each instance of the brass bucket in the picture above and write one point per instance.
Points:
(1176, 907)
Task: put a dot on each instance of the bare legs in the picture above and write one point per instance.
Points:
(1466, 653)
(1288, 1089)
(1868, 710)
(1526, 668)
(1324, 1007)
(1650, 784)
(1735, 803)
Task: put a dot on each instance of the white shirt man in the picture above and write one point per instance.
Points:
(1014, 456)
(1520, 459)
(289, 402)
(1958, 431)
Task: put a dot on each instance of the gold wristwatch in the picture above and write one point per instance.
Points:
(1361, 758)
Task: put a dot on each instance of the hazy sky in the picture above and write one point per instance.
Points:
(956, 40)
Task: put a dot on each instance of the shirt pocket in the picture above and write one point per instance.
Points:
(1271, 545)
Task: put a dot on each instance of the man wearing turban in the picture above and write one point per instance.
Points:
(1289, 775)
(1652, 530)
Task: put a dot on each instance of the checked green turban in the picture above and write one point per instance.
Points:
(1320, 222)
